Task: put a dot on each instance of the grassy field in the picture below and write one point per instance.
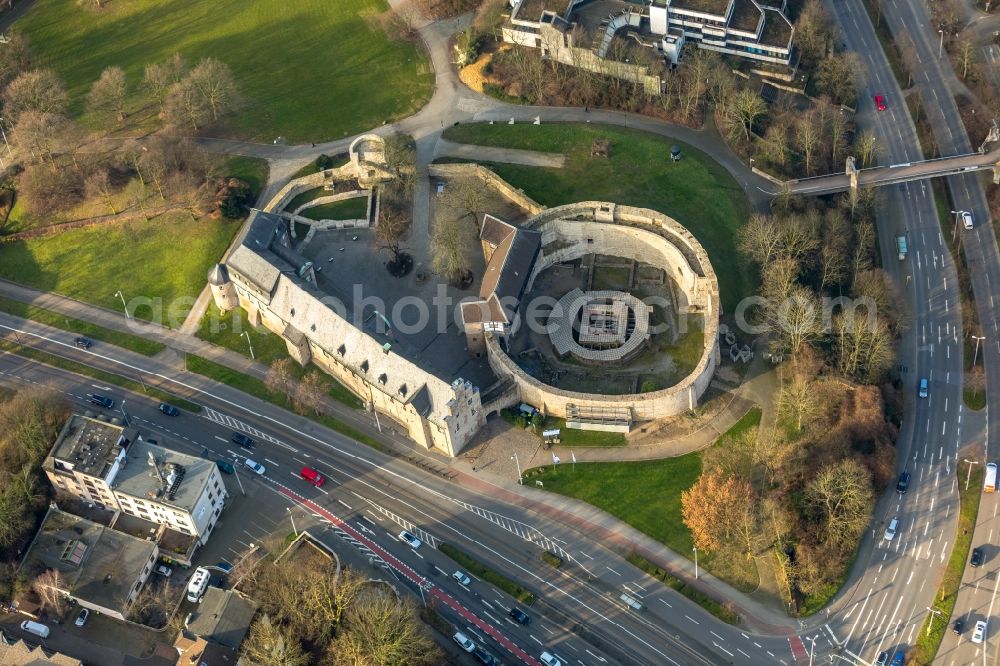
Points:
(646, 495)
(251, 169)
(696, 191)
(77, 327)
(309, 70)
(257, 388)
(159, 266)
(348, 209)
(488, 574)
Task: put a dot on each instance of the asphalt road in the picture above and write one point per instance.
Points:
(371, 497)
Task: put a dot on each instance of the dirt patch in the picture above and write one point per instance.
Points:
(475, 75)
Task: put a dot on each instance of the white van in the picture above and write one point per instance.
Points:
(991, 478)
(631, 602)
(197, 585)
(35, 628)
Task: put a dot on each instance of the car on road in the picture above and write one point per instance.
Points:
(978, 555)
(519, 616)
(462, 578)
(240, 439)
(967, 219)
(882, 659)
(101, 400)
(880, 102)
(899, 659)
(890, 532)
(225, 466)
(903, 484)
(484, 657)
(163, 570)
(254, 466)
(958, 627)
(923, 391)
(169, 410)
(82, 342)
(411, 540)
(979, 633)
(312, 476)
(81, 619)
(464, 642)
(550, 659)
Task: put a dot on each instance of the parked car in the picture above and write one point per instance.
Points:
(240, 439)
(959, 626)
(81, 619)
(903, 484)
(550, 659)
(462, 578)
(890, 532)
(225, 466)
(519, 616)
(312, 476)
(83, 343)
(978, 555)
(163, 570)
(979, 633)
(413, 541)
(169, 410)
(463, 641)
(967, 219)
(882, 659)
(484, 657)
(880, 103)
(254, 466)
(101, 400)
(899, 659)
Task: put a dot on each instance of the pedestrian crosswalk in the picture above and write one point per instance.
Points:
(240, 426)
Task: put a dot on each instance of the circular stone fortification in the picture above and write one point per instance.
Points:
(575, 230)
(599, 327)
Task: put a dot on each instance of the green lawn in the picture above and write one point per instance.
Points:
(348, 209)
(646, 494)
(309, 70)
(77, 327)
(159, 266)
(696, 191)
(250, 169)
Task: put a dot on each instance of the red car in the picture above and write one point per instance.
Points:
(312, 476)
(880, 102)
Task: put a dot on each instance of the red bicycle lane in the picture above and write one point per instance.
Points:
(412, 575)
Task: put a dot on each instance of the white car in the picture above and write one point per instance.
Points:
(462, 578)
(979, 632)
(413, 541)
(255, 466)
(163, 570)
(550, 659)
(464, 642)
(890, 532)
(81, 619)
(967, 219)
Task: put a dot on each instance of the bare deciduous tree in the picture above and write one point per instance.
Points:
(159, 77)
(268, 643)
(868, 148)
(108, 94)
(759, 239)
(798, 400)
(746, 109)
(43, 134)
(467, 198)
(186, 106)
(384, 630)
(807, 133)
(36, 90)
(280, 377)
(842, 493)
(98, 185)
(311, 392)
(451, 246)
(217, 85)
(51, 590)
(16, 57)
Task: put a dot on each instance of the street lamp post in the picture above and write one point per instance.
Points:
(978, 339)
(695, 549)
(969, 475)
(933, 612)
(751, 164)
(292, 516)
(812, 649)
(120, 295)
(10, 153)
(518, 463)
(246, 335)
(941, 43)
(954, 233)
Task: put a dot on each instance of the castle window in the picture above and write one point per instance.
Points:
(383, 378)
(342, 349)
(402, 390)
(313, 328)
(364, 365)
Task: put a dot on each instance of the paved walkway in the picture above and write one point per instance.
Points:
(467, 151)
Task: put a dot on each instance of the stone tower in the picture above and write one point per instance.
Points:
(223, 291)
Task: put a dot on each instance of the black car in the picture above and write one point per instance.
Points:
(883, 658)
(241, 440)
(83, 343)
(169, 410)
(101, 400)
(519, 616)
(484, 657)
(959, 626)
(977, 557)
(903, 484)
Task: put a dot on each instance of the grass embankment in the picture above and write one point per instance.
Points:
(252, 170)
(708, 603)
(889, 47)
(257, 388)
(480, 570)
(925, 135)
(928, 643)
(696, 191)
(159, 265)
(78, 327)
(647, 496)
(100, 375)
(974, 399)
(349, 75)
